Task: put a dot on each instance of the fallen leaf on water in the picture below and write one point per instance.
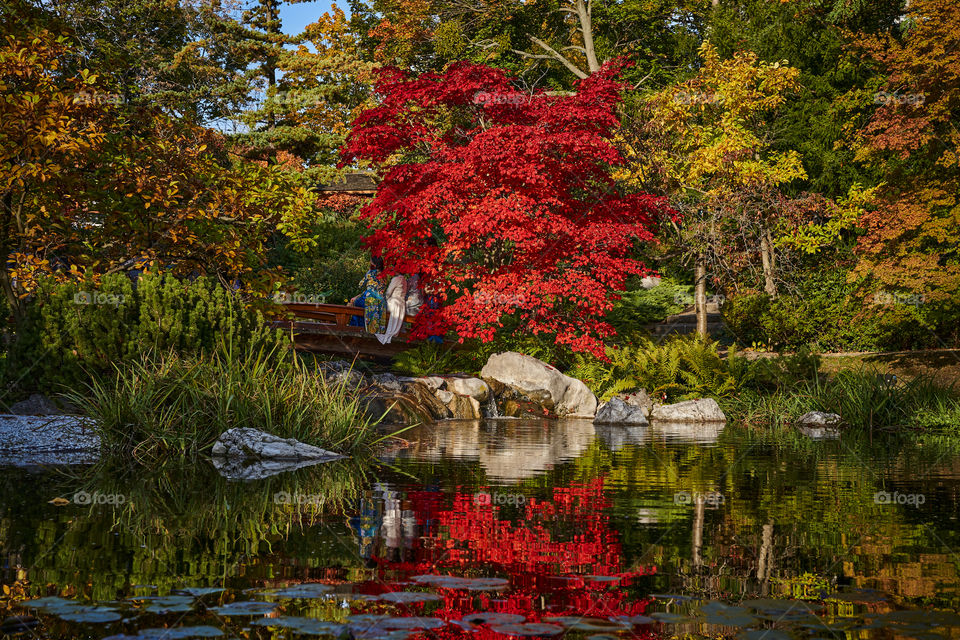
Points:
(59, 502)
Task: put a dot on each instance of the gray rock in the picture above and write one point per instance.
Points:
(638, 399)
(341, 372)
(818, 419)
(36, 405)
(243, 443)
(446, 397)
(388, 381)
(616, 411)
(473, 387)
(701, 410)
(51, 434)
(432, 382)
(569, 396)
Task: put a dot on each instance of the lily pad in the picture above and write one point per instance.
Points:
(167, 604)
(578, 623)
(632, 620)
(528, 629)
(51, 604)
(763, 634)
(90, 615)
(492, 617)
(411, 623)
(199, 592)
(179, 633)
(669, 618)
(306, 626)
(409, 597)
(248, 608)
(306, 591)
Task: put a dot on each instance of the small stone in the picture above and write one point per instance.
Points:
(819, 419)
(616, 411)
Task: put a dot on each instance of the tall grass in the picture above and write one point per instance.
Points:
(862, 397)
(170, 404)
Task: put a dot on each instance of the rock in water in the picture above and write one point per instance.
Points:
(244, 443)
(569, 396)
(619, 412)
(701, 410)
(473, 387)
(818, 419)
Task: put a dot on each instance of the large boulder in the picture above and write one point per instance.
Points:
(701, 410)
(568, 396)
(616, 411)
(245, 443)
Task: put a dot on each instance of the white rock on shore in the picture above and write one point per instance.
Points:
(245, 443)
(700, 410)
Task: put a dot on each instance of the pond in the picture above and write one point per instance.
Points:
(499, 529)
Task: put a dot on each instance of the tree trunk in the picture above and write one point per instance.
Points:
(586, 28)
(700, 297)
(769, 259)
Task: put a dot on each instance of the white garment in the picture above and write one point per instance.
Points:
(397, 308)
(414, 295)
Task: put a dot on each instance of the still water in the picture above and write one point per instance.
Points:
(499, 529)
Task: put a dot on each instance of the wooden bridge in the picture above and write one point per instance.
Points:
(325, 328)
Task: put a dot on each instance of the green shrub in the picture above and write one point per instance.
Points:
(638, 307)
(334, 267)
(862, 397)
(74, 331)
(431, 359)
(179, 405)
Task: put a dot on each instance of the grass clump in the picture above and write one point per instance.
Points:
(177, 405)
(862, 397)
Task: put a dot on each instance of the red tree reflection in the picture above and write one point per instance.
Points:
(560, 555)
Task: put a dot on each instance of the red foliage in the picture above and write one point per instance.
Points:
(516, 189)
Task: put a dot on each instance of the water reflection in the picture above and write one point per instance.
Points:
(705, 531)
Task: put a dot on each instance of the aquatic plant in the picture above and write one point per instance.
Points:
(170, 404)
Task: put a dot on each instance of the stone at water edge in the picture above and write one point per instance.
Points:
(639, 399)
(818, 419)
(473, 387)
(701, 410)
(616, 411)
(569, 396)
(246, 443)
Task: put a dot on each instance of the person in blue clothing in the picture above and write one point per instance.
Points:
(372, 298)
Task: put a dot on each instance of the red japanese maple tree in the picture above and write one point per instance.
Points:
(503, 201)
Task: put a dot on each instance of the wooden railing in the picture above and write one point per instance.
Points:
(336, 315)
